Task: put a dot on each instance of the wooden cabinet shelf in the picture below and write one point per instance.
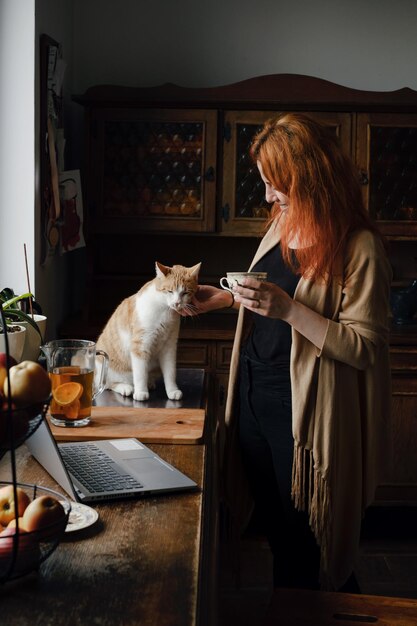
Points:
(153, 169)
(386, 154)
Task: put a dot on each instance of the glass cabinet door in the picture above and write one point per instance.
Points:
(387, 159)
(244, 209)
(153, 169)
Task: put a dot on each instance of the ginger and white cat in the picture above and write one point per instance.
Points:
(141, 335)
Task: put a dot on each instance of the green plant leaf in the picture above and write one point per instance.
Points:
(6, 294)
(8, 304)
(13, 314)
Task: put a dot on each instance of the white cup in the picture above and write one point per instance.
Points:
(232, 279)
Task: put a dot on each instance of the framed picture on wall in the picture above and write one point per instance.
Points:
(52, 70)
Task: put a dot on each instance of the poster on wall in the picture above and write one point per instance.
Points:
(71, 218)
(60, 191)
(52, 69)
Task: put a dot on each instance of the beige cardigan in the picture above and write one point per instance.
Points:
(341, 399)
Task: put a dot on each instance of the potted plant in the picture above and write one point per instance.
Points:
(23, 329)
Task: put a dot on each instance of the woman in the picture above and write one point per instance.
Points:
(309, 390)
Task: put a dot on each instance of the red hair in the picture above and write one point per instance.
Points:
(302, 158)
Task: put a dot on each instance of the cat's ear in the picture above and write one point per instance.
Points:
(161, 270)
(195, 270)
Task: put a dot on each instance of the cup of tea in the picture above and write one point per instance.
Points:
(75, 379)
(232, 279)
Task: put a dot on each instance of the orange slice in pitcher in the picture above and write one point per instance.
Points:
(71, 410)
(67, 393)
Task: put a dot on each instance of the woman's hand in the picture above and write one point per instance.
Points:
(208, 298)
(264, 298)
(271, 301)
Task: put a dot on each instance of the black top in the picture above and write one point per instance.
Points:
(270, 339)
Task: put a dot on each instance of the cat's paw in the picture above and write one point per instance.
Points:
(175, 394)
(141, 395)
(122, 388)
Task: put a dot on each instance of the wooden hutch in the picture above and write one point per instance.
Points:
(167, 177)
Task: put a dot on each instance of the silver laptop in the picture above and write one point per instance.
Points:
(105, 470)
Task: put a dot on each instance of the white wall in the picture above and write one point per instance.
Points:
(365, 44)
(21, 23)
(17, 155)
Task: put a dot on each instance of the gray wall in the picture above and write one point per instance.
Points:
(365, 44)
(53, 284)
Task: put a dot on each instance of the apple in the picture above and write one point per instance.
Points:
(29, 383)
(28, 552)
(7, 503)
(12, 524)
(47, 514)
(5, 364)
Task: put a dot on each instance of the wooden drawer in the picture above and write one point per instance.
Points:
(223, 354)
(404, 385)
(404, 358)
(193, 354)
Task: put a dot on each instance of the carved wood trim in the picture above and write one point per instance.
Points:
(294, 91)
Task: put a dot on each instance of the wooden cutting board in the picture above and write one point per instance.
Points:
(149, 425)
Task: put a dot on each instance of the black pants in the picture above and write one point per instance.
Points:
(265, 430)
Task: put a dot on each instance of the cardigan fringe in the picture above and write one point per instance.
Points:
(310, 492)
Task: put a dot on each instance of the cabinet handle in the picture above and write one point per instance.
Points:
(209, 175)
(226, 212)
(227, 131)
(363, 177)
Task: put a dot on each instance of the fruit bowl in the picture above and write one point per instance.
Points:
(23, 552)
(16, 425)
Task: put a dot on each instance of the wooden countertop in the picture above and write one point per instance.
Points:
(159, 425)
(192, 382)
(144, 562)
(158, 420)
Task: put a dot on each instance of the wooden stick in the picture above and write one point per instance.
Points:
(27, 278)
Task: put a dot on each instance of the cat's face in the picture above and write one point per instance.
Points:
(178, 284)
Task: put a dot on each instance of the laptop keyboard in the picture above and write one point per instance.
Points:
(94, 469)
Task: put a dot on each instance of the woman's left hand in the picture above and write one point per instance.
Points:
(263, 298)
(207, 298)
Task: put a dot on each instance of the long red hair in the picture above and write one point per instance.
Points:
(301, 157)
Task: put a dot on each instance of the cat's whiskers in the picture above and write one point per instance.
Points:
(190, 309)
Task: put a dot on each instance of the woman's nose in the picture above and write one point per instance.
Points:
(270, 195)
